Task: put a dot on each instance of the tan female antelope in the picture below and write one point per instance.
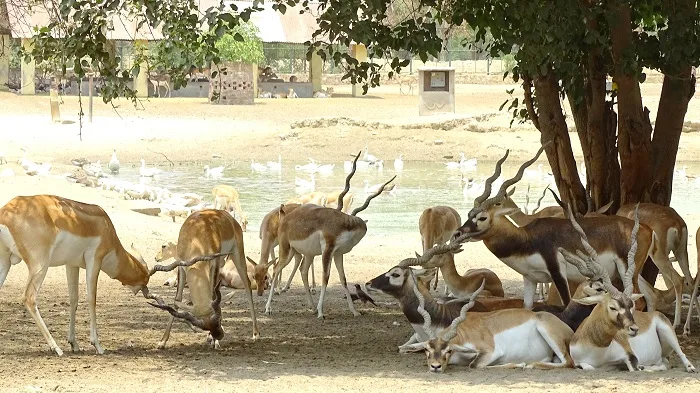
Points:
(531, 250)
(436, 226)
(672, 236)
(268, 234)
(227, 198)
(511, 338)
(314, 230)
(207, 232)
(615, 334)
(315, 198)
(332, 200)
(464, 285)
(47, 231)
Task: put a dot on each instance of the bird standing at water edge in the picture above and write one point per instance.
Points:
(113, 162)
(398, 163)
(147, 172)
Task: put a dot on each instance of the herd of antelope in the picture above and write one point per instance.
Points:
(596, 264)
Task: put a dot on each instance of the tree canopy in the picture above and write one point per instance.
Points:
(566, 48)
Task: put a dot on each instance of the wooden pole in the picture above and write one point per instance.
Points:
(90, 94)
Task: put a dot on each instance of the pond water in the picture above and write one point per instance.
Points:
(420, 185)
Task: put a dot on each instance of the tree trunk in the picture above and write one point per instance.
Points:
(552, 126)
(634, 127)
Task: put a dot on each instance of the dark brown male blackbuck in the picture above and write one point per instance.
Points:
(531, 249)
(316, 230)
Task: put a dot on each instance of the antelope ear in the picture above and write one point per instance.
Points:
(251, 261)
(505, 211)
(636, 296)
(417, 347)
(590, 300)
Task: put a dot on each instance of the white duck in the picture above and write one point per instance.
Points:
(468, 165)
(326, 169)
(473, 189)
(257, 167)
(148, 172)
(305, 185)
(379, 165)
(374, 188)
(455, 164)
(681, 174)
(113, 164)
(347, 165)
(398, 163)
(275, 166)
(311, 167)
(368, 157)
(215, 172)
(94, 169)
(39, 169)
(534, 174)
(24, 162)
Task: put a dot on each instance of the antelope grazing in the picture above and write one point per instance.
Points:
(228, 274)
(314, 198)
(511, 338)
(227, 198)
(207, 232)
(314, 230)
(332, 200)
(615, 334)
(268, 234)
(672, 236)
(531, 250)
(46, 231)
(436, 226)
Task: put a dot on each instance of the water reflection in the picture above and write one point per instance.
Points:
(418, 186)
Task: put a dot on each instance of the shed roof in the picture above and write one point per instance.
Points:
(292, 27)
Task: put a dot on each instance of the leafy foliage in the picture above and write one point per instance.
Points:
(242, 44)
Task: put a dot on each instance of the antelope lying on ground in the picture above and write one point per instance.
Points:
(408, 286)
(436, 226)
(228, 274)
(315, 230)
(227, 198)
(45, 231)
(268, 234)
(615, 334)
(212, 233)
(511, 338)
(531, 250)
(464, 285)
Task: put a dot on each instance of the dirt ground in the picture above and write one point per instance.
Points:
(296, 351)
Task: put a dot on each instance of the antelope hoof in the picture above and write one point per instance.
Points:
(98, 348)
(74, 347)
(57, 351)
(256, 336)
(268, 311)
(690, 368)
(313, 290)
(161, 345)
(356, 313)
(216, 345)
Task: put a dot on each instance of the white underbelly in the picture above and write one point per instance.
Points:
(534, 268)
(310, 246)
(71, 250)
(647, 348)
(522, 344)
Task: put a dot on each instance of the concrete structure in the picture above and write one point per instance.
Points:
(436, 90)
(303, 89)
(28, 87)
(233, 86)
(4, 61)
(359, 52)
(141, 80)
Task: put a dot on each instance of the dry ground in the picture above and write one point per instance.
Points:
(296, 352)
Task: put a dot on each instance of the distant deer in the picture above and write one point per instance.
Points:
(158, 80)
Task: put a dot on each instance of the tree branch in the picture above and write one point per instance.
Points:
(527, 88)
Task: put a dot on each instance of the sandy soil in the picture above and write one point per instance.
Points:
(296, 351)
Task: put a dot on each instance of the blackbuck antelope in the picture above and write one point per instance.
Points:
(672, 236)
(227, 198)
(314, 230)
(531, 250)
(615, 334)
(509, 338)
(436, 226)
(47, 231)
(206, 238)
(268, 234)
(411, 288)
(229, 275)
